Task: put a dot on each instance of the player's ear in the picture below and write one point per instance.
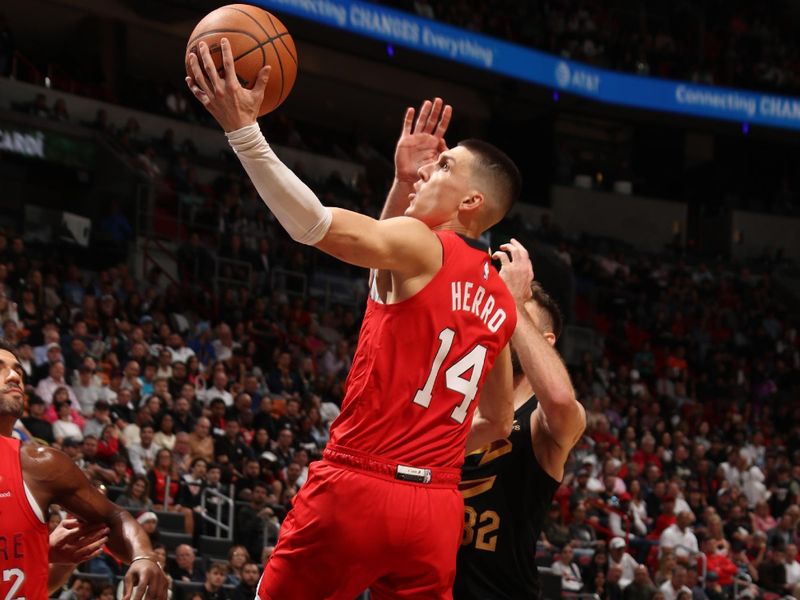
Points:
(474, 200)
(550, 337)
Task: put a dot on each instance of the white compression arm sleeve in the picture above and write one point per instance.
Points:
(295, 206)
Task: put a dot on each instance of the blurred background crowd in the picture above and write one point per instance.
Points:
(197, 397)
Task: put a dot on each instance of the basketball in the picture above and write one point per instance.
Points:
(257, 39)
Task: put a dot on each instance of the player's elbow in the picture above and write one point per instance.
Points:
(501, 424)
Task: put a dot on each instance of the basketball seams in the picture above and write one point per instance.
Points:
(285, 45)
(270, 40)
(262, 24)
(226, 30)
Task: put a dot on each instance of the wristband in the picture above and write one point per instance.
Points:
(143, 557)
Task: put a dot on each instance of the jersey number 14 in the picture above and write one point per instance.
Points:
(454, 376)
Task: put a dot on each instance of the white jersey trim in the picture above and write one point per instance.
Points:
(37, 510)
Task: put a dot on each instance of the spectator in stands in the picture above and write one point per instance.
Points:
(762, 519)
(619, 558)
(792, 570)
(200, 440)
(582, 534)
(772, 572)
(122, 410)
(212, 588)
(284, 448)
(675, 584)
(35, 422)
(218, 389)
(182, 416)
(149, 522)
(81, 589)
(136, 497)
(47, 386)
(246, 590)
(230, 450)
(142, 454)
(164, 481)
(680, 538)
(237, 558)
(783, 533)
(641, 588)
(64, 427)
(253, 520)
(101, 418)
(184, 567)
(94, 466)
(571, 579)
(165, 436)
(182, 452)
(179, 351)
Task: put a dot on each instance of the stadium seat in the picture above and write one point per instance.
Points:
(170, 521)
(213, 547)
(172, 540)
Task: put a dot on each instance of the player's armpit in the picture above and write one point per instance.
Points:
(402, 244)
(495, 413)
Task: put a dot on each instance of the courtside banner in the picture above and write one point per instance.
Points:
(445, 41)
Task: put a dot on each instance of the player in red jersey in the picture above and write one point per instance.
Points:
(33, 477)
(382, 510)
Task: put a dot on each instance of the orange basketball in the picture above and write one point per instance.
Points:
(257, 39)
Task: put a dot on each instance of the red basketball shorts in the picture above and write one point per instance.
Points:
(352, 529)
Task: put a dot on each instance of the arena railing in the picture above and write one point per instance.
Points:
(223, 501)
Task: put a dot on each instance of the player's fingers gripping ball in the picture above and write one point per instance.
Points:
(257, 39)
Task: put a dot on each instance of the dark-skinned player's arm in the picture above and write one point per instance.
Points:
(419, 144)
(54, 479)
(72, 543)
(495, 413)
(559, 419)
(401, 245)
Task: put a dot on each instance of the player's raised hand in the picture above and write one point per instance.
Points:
(421, 143)
(232, 105)
(516, 270)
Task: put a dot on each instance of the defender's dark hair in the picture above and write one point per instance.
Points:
(500, 171)
(546, 303)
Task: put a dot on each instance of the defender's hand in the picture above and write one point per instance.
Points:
(73, 542)
(224, 97)
(516, 270)
(421, 143)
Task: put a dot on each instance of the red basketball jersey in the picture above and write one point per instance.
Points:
(23, 537)
(420, 363)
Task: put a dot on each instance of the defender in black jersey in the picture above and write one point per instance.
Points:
(508, 486)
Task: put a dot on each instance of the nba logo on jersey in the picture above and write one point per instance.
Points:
(485, 270)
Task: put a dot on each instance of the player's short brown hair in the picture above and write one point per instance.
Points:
(549, 307)
(499, 172)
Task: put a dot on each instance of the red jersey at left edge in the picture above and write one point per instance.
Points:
(24, 540)
(416, 374)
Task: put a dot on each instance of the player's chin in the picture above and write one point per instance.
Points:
(11, 404)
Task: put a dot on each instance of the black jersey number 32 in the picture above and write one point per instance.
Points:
(480, 529)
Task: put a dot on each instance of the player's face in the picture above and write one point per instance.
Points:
(11, 382)
(441, 187)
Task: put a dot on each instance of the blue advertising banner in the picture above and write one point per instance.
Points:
(476, 50)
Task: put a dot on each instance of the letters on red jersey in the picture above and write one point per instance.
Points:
(420, 363)
(23, 537)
